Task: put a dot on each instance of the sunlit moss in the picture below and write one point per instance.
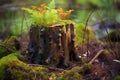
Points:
(22, 71)
(4, 61)
(82, 33)
(72, 75)
(75, 73)
(10, 42)
(14, 69)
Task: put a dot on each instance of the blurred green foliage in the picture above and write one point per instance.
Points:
(15, 22)
(99, 3)
(20, 25)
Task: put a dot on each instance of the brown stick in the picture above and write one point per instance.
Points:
(99, 52)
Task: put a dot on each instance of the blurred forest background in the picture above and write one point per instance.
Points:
(105, 14)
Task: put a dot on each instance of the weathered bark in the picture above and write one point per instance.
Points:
(52, 45)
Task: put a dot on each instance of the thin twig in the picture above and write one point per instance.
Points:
(86, 28)
(99, 52)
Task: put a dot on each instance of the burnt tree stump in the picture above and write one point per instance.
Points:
(52, 45)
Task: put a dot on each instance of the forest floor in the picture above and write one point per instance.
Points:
(103, 66)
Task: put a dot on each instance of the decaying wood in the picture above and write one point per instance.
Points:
(52, 45)
(99, 52)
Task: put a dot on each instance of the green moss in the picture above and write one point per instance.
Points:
(14, 69)
(4, 61)
(105, 52)
(22, 71)
(113, 36)
(82, 70)
(53, 76)
(80, 31)
(72, 75)
(2, 52)
(8, 43)
(117, 78)
(75, 72)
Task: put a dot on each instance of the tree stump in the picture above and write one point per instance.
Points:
(52, 45)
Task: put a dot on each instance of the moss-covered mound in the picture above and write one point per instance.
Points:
(23, 71)
(10, 42)
(113, 35)
(75, 73)
(8, 46)
(11, 68)
(4, 61)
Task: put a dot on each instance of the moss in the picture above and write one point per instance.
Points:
(105, 52)
(13, 69)
(80, 31)
(113, 36)
(117, 78)
(2, 52)
(75, 72)
(82, 70)
(22, 71)
(71, 75)
(53, 76)
(8, 43)
(5, 60)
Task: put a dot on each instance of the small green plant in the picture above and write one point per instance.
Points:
(47, 15)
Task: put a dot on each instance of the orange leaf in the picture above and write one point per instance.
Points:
(33, 7)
